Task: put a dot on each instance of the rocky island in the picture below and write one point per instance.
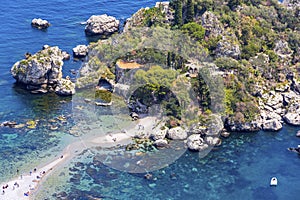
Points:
(40, 23)
(184, 75)
(259, 68)
(101, 25)
(42, 72)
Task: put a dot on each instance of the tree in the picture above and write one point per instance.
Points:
(190, 11)
(250, 50)
(194, 30)
(178, 13)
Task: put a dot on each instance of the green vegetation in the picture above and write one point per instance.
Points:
(178, 12)
(154, 17)
(190, 13)
(156, 84)
(194, 30)
(251, 29)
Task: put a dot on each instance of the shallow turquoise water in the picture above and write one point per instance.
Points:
(18, 147)
(240, 169)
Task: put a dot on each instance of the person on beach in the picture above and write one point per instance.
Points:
(3, 192)
(16, 184)
(34, 170)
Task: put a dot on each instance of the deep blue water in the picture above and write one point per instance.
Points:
(240, 169)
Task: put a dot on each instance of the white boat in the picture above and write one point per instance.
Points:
(273, 181)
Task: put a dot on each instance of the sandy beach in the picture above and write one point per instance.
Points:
(24, 187)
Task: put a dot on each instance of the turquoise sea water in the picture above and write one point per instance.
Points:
(240, 169)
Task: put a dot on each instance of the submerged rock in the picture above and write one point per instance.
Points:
(161, 143)
(40, 23)
(101, 25)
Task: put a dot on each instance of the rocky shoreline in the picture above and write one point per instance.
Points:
(42, 73)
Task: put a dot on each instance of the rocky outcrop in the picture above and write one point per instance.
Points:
(272, 125)
(102, 25)
(65, 87)
(40, 23)
(282, 48)
(80, 51)
(212, 24)
(196, 143)
(159, 133)
(41, 71)
(255, 125)
(161, 143)
(138, 18)
(276, 107)
(177, 133)
(293, 114)
(213, 141)
(135, 20)
(228, 47)
(284, 52)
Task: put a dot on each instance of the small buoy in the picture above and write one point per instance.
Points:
(273, 181)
